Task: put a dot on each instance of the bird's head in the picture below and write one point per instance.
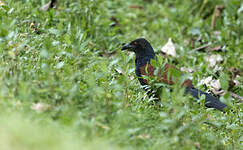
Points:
(140, 46)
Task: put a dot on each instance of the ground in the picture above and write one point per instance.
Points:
(65, 84)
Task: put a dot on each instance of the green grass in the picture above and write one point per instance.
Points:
(57, 58)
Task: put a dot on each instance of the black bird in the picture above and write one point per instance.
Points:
(144, 53)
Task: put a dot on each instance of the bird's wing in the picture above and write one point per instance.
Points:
(165, 75)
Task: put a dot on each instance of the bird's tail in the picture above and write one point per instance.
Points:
(210, 100)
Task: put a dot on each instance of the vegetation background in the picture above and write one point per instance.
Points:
(65, 84)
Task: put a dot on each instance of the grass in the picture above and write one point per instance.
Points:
(59, 58)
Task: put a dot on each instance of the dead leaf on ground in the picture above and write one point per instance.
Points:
(136, 7)
(214, 85)
(213, 59)
(169, 48)
(206, 81)
(49, 5)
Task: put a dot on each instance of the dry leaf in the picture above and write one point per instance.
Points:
(136, 7)
(217, 68)
(206, 81)
(169, 48)
(214, 85)
(213, 59)
(40, 107)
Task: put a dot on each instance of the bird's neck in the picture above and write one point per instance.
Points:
(143, 60)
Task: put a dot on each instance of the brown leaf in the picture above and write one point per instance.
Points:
(136, 7)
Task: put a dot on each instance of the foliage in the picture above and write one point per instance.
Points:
(62, 58)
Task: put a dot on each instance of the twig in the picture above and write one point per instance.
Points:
(201, 47)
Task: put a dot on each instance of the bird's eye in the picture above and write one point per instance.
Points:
(134, 43)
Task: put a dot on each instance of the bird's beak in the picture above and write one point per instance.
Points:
(127, 47)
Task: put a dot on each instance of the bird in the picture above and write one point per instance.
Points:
(144, 53)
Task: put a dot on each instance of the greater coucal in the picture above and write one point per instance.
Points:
(144, 53)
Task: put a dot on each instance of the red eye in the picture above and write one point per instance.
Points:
(134, 43)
